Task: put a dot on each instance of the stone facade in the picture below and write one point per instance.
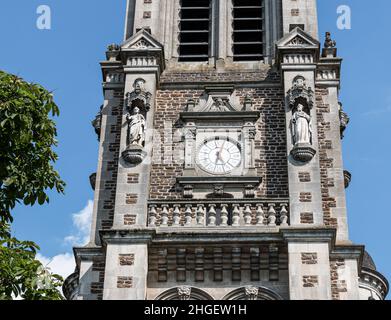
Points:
(267, 219)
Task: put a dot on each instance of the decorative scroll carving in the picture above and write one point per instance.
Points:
(93, 180)
(220, 105)
(249, 191)
(184, 293)
(215, 99)
(188, 191)
(141, 44)
(190, 105)
(251, 293)
(97, 122)
(190, 133)
(218, 190)
(347, 178)
(297, 42)
(248, 103)
(301, 101)
(344, 119)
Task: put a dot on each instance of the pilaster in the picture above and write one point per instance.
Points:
(297, 54)
(329, 117)
(126, 268)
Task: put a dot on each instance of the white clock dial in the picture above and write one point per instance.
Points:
(219, 156)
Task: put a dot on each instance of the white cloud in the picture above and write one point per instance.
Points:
(62, 264)
(82, 224)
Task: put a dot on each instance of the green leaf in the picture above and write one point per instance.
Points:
(28, 136)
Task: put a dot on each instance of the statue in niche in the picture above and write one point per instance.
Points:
(301, 126)
(136, 128)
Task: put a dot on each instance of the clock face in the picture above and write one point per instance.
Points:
(219, 156)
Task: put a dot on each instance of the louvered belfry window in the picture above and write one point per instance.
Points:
(248, 30)
(195, 29)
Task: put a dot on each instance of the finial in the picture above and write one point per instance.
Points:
(113, 47)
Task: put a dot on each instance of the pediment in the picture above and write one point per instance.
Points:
(216, 103)
(218, 99)
(142, 40)
(298, 38)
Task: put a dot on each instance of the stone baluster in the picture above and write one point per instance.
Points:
(224, 215)
(188, 215)
(260, 215)
(152, 216)
(164, 222)
(272, 215)
(176, 215)
(200, 215)
(212, 215)
(247, 215)
(284, 215)
(236, 216)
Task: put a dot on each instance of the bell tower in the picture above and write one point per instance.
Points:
(220, 171)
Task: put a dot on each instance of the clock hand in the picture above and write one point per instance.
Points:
(220, 152)
(218, 157)
(222, 148)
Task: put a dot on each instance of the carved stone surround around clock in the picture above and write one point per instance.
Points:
(219, 136)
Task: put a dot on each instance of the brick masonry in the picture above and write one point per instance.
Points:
(307, 218)
(124, 282)
(337, 285)
(133, 178)
(218, 77)
(130, 219)
(309, 258)
(131, 198)
(110, 184)
(304, 177)
(126, 259)
(326, 162)
(305, 197)
(98, 265)
(270, 143)
(310, 281)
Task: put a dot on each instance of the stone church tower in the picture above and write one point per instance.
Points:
(220, 172)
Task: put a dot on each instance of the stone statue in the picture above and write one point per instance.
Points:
(301, 127)
(329, 43)
(136, 128)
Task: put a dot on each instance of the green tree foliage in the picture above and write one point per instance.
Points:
(27, 137)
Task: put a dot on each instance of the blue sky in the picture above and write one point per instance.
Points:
(65, 59)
